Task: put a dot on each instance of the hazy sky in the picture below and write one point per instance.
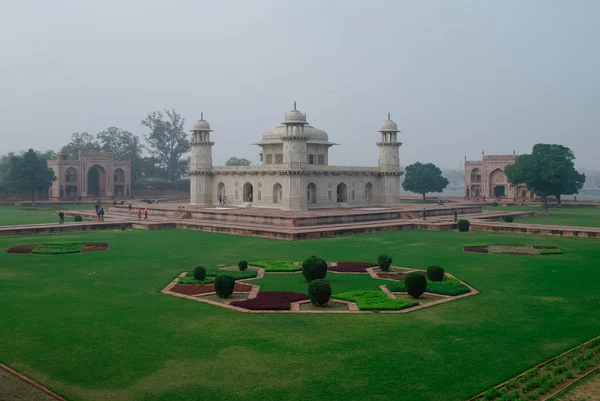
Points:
(457, 76)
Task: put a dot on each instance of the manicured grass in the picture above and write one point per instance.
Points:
(94, 326)
(448, 286)
(277, 265)
(18, 215)
(374, 300)
(339, 282)
(212, 272)
(565, 216)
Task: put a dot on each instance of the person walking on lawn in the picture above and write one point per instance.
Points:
(61, 217)
(101, 214)
(139, 213)
(145, 214)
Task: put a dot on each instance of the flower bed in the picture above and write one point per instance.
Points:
(544, 379)
(198, 289)
(211, 273)
(59, 248)
(448, 286)
(274, 266)
(513, 249)
(351, 267)
(374, 300)
(22, 248)
(95, 246)
(271, 300)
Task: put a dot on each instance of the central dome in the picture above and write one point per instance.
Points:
(295, 116)
(313, 134)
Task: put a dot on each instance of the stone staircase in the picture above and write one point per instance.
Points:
(181, 214)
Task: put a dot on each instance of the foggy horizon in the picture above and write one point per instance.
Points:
(457, 78)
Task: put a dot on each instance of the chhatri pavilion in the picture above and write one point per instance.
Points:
(295, 173)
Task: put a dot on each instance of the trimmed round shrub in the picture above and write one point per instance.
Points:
(463, 225)
(314, 268)
(243, 265)
(416, 284)
(384, 262)
(509, 219)
(200, 273)
(495, 204)
(224, 286)
(435, 273)
(123, 227)
(77, 218)
(319, 292)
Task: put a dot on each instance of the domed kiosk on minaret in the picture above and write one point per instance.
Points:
(295, 173)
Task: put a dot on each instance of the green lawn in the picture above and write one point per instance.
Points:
(17, 215)
(94, 326)
(582, 216)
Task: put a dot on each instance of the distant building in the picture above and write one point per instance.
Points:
(486, 178)
(92, 175)
(295, 173)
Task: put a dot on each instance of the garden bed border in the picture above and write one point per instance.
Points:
(295, 306)
(31, 382)
(540, 365)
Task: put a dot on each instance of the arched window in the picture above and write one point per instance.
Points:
(369, 192)
(277, 193)
(311, 193)
(475, 175)
(71, 175)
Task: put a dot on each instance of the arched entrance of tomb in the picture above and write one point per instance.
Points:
(96, 181)
(248, 192)
(499, 191)
(220, 190)
(277, 193)
(476, 191)
(498, 183)
(342, 192)
(369, 192)
(311, 193)
(119, 182)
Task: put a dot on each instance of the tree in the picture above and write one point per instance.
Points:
(124, 146)
(234, 161)
(548, 170)
(571, 184)
(168, 142)
(28, 173)
(81, 142)
(424, 178)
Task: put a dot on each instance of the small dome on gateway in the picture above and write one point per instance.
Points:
(294, 116)
(389, 125)
(201, 125)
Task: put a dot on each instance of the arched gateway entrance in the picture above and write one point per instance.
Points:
(96, 181)
(342, 193)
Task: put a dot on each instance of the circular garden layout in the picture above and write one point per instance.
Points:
(366, 287)
(58, 248)
(513, 249)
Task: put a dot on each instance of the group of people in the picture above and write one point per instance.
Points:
(139, 212)
(222, 200)
(99, 211)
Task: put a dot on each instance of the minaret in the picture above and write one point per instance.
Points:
(294, 160)
(389, 163)
(201, 163)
